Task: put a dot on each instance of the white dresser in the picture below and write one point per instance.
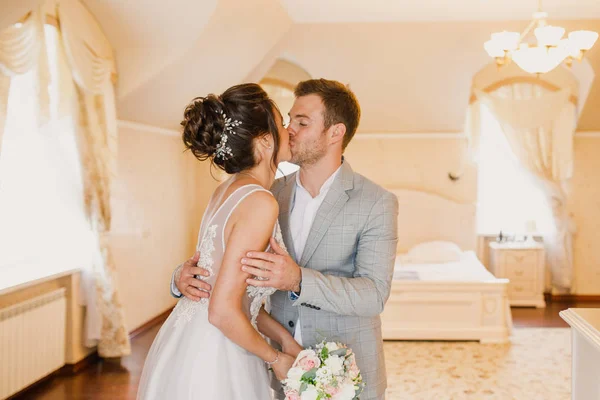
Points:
(585, 339)
(524, 265)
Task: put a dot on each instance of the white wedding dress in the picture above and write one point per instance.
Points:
(192, 359)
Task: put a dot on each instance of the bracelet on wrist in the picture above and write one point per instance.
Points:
(274, 361)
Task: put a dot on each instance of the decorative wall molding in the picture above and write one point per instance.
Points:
(359, 136)
(443, 135)
(588, 134)
(136, 126)
(411, 135)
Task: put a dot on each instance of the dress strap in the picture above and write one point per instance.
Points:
(240, 195)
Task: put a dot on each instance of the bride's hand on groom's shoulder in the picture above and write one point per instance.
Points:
(187, 283)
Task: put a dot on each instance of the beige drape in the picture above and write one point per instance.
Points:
(91, 66)
(22, 48)
(539, 124)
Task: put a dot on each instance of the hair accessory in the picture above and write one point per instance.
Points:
(223, 150)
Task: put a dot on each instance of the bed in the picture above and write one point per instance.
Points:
(440, 290)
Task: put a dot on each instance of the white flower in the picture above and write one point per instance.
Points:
(295, 373)
(336, 364)
(293, 378)
(332, 346)
(307, 352)
(323, 374)
(347, 392)
(294, 385)
(311, 393)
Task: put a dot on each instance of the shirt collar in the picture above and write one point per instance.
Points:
(326, 185)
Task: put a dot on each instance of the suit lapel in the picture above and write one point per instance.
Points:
(286, 198)
(332, 205)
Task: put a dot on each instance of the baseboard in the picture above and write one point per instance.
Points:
(72, 369)
(66, 370)
(571, 298)
(24, 394)
(150, 324)
(93, 358)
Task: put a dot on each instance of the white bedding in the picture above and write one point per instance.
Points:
(468, 269)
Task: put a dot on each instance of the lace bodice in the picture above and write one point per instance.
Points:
(211, 245)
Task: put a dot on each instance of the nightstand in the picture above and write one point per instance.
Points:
(523, 264)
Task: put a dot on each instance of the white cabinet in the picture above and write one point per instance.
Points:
(585, 339)
(523, 264)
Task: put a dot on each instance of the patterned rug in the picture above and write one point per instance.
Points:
(535, 365)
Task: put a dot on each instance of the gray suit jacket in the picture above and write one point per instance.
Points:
(347, 269)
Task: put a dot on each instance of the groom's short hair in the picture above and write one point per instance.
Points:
(341, 105)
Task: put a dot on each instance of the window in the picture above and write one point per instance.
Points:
(43, 228)
(286, 168)
(507, 196)
(283, 95)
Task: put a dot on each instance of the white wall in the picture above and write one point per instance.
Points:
(159, 197)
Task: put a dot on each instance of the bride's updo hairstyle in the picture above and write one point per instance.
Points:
(223, 128)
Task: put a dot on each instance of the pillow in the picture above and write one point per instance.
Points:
(433, 252)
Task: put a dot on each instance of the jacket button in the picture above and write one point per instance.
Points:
(291, 324)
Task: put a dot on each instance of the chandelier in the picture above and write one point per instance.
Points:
(550, 51)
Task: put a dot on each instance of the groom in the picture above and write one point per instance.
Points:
(341, 233)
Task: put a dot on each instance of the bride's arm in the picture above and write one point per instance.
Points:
(276, 332)
(251, 227)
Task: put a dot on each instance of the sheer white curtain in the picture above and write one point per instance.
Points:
(538, 123)
(44, 229)
(86, 67)
(507, 196)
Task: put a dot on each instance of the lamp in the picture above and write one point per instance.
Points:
(530, 230)
(550, 51)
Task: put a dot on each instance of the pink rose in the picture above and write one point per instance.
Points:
(332, 391)
(306, 364)
(292, 395)
(307, 360)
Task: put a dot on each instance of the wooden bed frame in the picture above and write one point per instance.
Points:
(429, 310)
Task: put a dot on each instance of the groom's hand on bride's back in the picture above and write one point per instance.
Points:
(277, 269)
(187, 283)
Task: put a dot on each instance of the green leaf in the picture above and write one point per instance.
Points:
(309, 375)
(303, 387)
(324, 353)
(339, 352)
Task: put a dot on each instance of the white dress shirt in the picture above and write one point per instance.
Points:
(303, 213)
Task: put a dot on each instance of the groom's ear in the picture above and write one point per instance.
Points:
(337, 133)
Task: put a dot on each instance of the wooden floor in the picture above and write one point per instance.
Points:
(118, 381)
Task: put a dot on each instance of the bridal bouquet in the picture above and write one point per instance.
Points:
(328, 371)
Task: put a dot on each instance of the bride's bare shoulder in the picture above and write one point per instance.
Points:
(260, 203)
(256, 203)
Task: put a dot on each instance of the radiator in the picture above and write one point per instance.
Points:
(32, 341)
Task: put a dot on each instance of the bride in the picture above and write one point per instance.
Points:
(212, 349)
